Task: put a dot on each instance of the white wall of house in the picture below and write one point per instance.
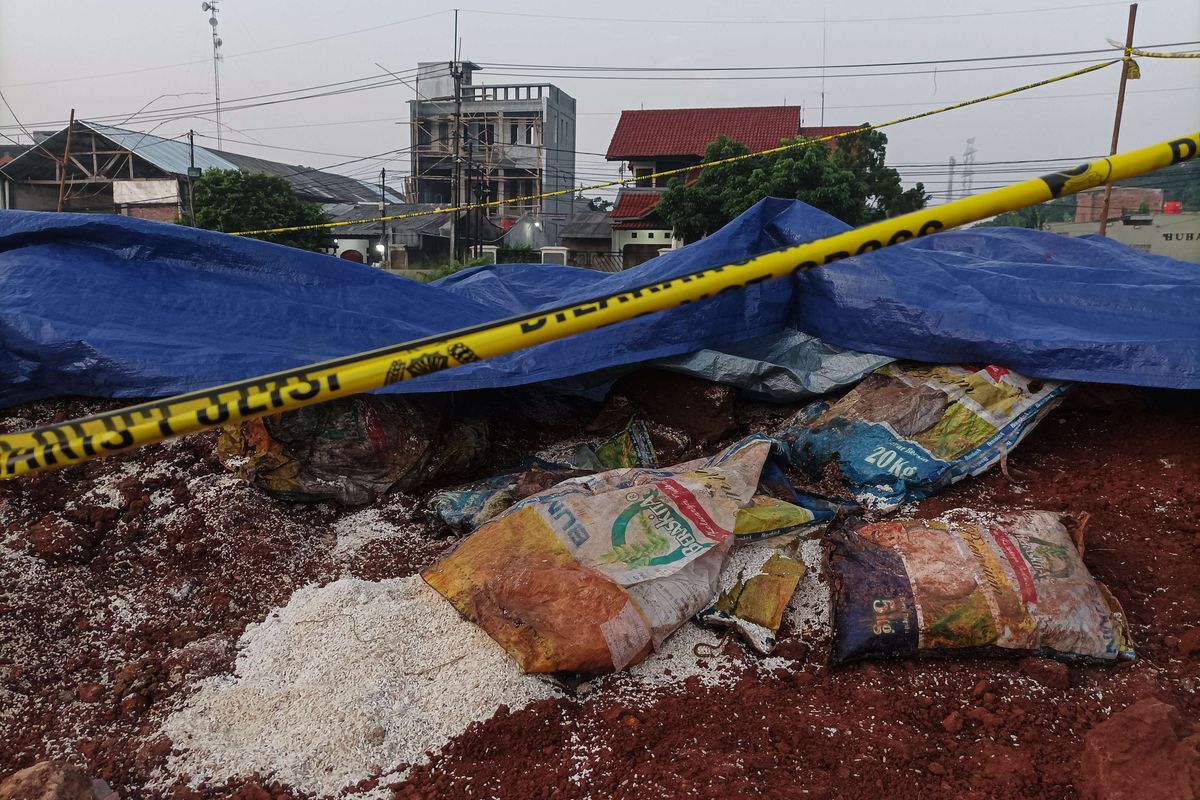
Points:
(1174, 235)
(658, 238)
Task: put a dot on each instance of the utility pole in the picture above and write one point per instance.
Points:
(822, 67)
(456, 179)
(470, 198)
(968, 168)
(950, 182)
(1126, 65)
(193, 173)
(62, 178)
(383, 227)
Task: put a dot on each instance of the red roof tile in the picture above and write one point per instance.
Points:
(659, 133)
(634, 205)
(640, 225)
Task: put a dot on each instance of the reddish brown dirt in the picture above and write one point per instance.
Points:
(140, 572)
(148, 567)
(910, 729)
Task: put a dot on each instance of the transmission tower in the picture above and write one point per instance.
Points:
(968, 167)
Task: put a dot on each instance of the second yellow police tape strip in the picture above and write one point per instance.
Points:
(83, 439)
(684, 171)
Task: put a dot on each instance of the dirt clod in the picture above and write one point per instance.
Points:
(1147, 750)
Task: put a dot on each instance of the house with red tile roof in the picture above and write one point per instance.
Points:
(657, 140)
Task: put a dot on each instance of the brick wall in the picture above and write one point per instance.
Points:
(1125, 200)
(160, 212)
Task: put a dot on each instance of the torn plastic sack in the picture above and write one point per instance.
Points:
(779, 509)
(909, 430)
(351, 450)
(590, 575)
(754, 607)
(785, 367)
(971, 584)
(466, 507)
(629, 448)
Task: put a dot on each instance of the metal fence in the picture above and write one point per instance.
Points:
(603, 262)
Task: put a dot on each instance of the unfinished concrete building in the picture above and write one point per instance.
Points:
(510, 141)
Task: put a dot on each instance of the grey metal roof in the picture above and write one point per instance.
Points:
(169, 155)
(174, 156)
(426, 225)
(587, 225)
(309, 183)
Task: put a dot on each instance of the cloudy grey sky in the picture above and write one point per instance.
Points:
(109, 59)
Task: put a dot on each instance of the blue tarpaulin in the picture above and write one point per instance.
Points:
(111, 306)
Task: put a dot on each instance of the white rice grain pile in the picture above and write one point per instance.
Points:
(344, 681)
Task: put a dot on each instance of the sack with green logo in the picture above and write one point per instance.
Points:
(590, 575)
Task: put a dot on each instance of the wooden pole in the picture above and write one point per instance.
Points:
(1120, 106)
(62, 178)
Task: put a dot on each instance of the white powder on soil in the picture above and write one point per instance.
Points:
(345, 680)
(356, 530)
(355, 677)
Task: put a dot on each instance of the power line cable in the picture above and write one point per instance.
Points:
(742, 21)
(227, 56)
(159, 114)
(1107, 50)
(888, 74)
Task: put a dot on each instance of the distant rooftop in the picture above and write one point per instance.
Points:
(634, 204)
(174, 156)
(678, 132)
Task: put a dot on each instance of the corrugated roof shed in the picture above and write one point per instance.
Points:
(587, 225)
(428, 223)
(174, 156)
(169, 155)
(409, 229)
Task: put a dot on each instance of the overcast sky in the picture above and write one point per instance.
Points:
(57, 55)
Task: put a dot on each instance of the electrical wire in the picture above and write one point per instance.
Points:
(888, 74)
(161, 113)
(226, 56)
(822, 21)
(574, 68)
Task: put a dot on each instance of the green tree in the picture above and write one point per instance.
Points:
(865, 153)
(233, 200)
(850, 182)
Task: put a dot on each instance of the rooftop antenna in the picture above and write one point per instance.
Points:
(822, 67)
(211, 7)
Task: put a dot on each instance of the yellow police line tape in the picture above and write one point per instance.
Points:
(684, 170)
(1153, 54)
(79, 440)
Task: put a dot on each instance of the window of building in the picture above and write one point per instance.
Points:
(443, 132)
(642, 174)
(633, 235)
(513, 130)
(529, 134)
(650, 235)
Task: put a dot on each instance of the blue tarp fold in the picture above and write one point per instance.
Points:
(119, 307)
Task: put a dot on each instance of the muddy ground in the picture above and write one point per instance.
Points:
(124, 582)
